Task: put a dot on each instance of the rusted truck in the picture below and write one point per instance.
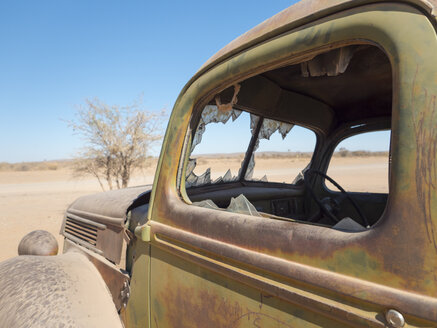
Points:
(236, 248)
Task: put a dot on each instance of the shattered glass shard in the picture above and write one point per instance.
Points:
(254, 119)
(210, 114)
(198, 135)
(207, 203)
(264, 178)
(300, 176)
(238, 204)
(194, 180)
(228, 176)
(271, 126)
(242, 205)
(251, 166)
(191, 165)
(284, 129)
(268, 128)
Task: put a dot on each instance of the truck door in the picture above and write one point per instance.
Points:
(212, 266)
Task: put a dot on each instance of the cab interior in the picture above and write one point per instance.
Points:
(335, 93)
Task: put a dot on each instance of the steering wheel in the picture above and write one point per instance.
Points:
(328, 209)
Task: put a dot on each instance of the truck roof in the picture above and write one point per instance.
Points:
(296, 15)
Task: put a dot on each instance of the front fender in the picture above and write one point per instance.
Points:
(48, 291)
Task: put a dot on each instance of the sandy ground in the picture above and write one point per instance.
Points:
(37, 199)
(352, 173)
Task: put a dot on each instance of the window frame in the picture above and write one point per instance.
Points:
(348, 131)
(291, 251)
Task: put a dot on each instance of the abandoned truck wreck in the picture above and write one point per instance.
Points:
(239, 247)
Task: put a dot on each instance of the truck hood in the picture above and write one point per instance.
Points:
(108, 207)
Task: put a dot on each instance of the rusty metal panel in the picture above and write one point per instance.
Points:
(137, 313)
(97, 221)
(185, 295)
(301, 13)
(107, 207)
(399, 254)
(317, 289)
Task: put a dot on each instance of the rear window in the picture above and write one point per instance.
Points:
(360, 163)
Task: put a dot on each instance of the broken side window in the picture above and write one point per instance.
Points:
(219, 146)
(282, 151)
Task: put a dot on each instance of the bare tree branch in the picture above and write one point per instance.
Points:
(118, 140)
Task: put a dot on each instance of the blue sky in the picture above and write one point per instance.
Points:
(57, 53)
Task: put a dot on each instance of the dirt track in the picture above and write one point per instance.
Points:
(37, 199)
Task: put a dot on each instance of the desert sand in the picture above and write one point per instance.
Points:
(31, 200)
(34, 200)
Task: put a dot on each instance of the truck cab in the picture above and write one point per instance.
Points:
(233, 246)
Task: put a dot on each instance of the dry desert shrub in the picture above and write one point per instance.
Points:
(118, 140)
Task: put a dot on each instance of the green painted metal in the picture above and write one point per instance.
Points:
(294, 274)
(137, 313)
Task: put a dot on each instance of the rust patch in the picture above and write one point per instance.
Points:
(229, 106)
(189, 307)
(426, 170)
